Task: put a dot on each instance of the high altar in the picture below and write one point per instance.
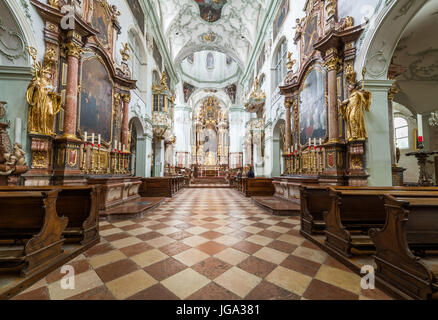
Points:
(211, 142)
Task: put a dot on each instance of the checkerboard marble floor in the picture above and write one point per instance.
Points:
(204, 244)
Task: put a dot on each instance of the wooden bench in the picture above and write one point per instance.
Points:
(407, 246)
(77, 203)
(161, 186)
(257, 187)
(315, 204)
(30, 231)
(354, 212)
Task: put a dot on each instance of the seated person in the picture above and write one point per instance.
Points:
(250, 173)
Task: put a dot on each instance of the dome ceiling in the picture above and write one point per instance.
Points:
(227, 26)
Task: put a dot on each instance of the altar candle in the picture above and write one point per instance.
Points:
(420, 125)
(85, 136)
(120, 146)
(320, 141)
(98, 139)
(314, 141)
(296, 146)
(92, 138)
(310, 142)
(123, 149)
(115, 145)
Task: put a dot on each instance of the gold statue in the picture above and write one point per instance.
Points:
(125, 52)
(352, 110)
(44, 102)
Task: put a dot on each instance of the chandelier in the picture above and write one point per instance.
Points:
(433, 120)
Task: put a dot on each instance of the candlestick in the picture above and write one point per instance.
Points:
(98, 139)
(85, 136)
(123, 148)
(296, 146)
(314, 142)
(115, 145)
(310, 141)
(320, 141)
(92, 138)
(420, 125)
(120, 146)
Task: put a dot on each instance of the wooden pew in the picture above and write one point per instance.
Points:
(161, 186)
(79, 204)
(354, 212)
(30, 231)
(315, 204)
(257, 187)
(407, 246)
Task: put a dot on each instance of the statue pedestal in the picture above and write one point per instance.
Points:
(67, 162)
(397, 176)
(41, 167)
(356, 174)
(334, 172)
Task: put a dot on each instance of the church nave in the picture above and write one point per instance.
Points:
(205, 244)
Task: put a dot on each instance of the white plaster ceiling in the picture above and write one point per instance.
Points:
(234, 33)
(417, 52)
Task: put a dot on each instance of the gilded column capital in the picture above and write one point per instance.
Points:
(332, 61)
(72, 49)
(126, 98)
(288, 104)
(392, 91)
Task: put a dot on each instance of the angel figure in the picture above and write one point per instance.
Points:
(352, 110)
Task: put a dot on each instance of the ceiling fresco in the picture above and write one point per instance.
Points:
(211, 10)
(187, 26)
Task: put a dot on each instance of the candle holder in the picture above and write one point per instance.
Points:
(98, 169)
(92, 167)
(84, 158)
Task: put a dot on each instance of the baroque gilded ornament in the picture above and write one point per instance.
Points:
(125, 52)
(44, 101)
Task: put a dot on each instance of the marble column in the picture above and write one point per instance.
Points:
(378, 155)
(288, 104)
(125, 123)
(392, 91)
(71, 99)
(332, 64)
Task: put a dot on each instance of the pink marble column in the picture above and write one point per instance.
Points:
(332, 64)
(71, 99)
(288, 105)
(125, 123)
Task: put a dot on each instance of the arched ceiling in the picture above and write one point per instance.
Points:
(416, 62)
(233, 29)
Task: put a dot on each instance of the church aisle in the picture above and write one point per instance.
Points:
(204, 244)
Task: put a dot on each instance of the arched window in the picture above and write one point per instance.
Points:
(137, 61)
(401, 128)
(280, 63)
(210, 61)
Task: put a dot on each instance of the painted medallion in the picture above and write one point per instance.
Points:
(211, 10)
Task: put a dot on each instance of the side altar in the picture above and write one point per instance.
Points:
(79, 127)
(325, 136)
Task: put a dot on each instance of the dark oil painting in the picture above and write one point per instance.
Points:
(138, 13)
(313, 110)
(211, 10)
(96, 99)
(188, 90)
(101, 21)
